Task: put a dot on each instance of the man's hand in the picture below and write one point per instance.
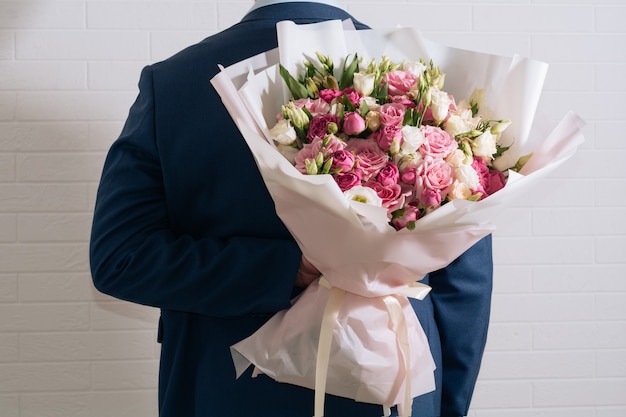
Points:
(307, 273)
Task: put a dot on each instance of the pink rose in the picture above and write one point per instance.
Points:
(392, 114)
(347, 180)
(343, 161)
(430, 198)
(353, 124)
(495, 182)
(435, 174)
(318, 126)
(329, 94)
(353, 96)
(369, 157)
(388, 175)
(386, 135)
(391, 195)
(405, 216)
(409, 175)
(399, 82)
(439, 143)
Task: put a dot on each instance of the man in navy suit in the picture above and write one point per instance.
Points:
(183, 222)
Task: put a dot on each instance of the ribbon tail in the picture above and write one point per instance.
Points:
(331, 311)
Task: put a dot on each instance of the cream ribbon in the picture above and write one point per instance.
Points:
(331, 311)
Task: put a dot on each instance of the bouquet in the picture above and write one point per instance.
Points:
(390, 135)
(353, 333)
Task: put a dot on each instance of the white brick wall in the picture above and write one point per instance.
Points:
(68, 73)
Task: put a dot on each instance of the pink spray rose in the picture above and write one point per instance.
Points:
(402, 218)
(342, 161)
(409, 175)
(353, 96)
(347, 180)
(430, 198)
(353, 124)
(386, 135)
(388, 175)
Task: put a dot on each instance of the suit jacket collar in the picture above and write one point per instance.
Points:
(299, 12)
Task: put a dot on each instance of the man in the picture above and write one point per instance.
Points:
(183, 222)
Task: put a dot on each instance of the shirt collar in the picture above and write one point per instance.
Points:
(262, 3)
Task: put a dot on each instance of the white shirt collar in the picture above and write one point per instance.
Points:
(261, 3)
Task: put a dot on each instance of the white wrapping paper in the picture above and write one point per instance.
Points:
(374, 349)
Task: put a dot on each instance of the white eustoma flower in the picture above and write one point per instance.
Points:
(364, 83)
(460, 122)
(465, 174)
(440, 104)
(364, 195)
(413, 138)
(484, 145)
(283, 132)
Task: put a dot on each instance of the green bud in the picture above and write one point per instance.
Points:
(327, 165)
(331, 82)
(500, 126)
(319, 159)
(311, 167)
(521, 162)
(297, 116)
(332, 128)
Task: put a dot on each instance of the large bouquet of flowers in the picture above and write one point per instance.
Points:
(390, 135)
(404, 189)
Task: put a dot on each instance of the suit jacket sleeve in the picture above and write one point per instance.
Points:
(136, 256)
(461, 295)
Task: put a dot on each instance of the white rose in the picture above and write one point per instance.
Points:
(465, 174)
(283, 132)
(413, 138)
(364, 195)
(440, 104)
(460, 122)
(484, 146)
(459, 190)
(457, 158)
(364, 83)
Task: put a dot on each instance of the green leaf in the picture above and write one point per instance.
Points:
(347, 75)
(296, 88)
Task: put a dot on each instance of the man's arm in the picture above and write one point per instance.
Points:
(136, 256)
(461, 295)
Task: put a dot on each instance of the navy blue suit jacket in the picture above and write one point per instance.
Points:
(183, 222)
